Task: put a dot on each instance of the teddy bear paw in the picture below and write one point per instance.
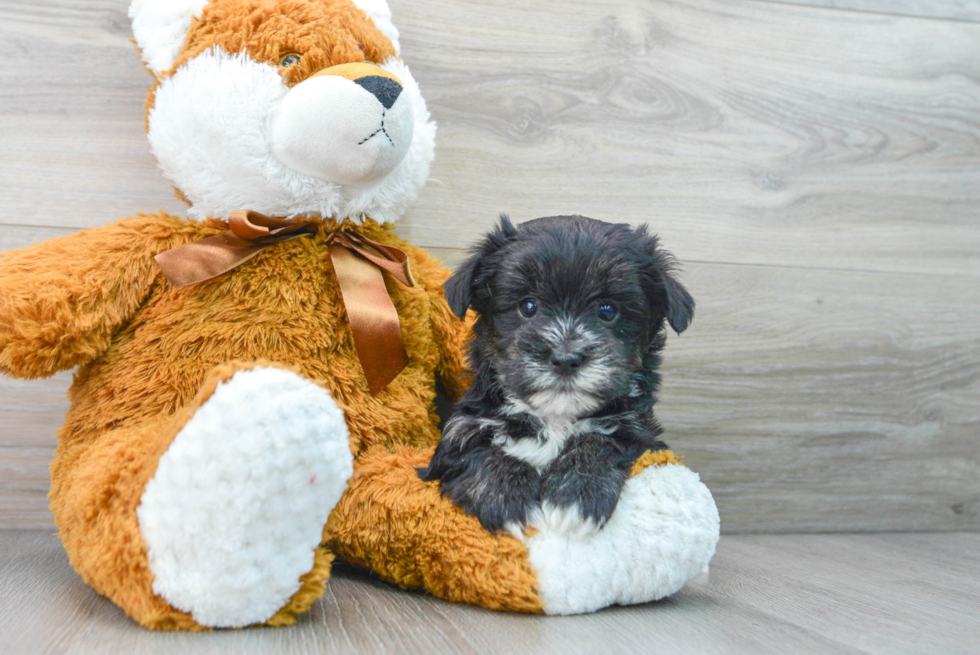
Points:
(662, 534)
(237, 506)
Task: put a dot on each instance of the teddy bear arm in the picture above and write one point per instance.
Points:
(452, 337)
(403, 529)
(62, 300)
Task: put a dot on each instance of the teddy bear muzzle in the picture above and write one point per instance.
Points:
(349, 124)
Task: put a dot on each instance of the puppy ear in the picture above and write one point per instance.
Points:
(680, 304)
(470, 284)
(458, 288)
(668, 296)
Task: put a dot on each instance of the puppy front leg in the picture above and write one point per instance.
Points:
(498, 489)
(581, 487)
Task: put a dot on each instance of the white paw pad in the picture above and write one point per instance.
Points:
(238, 502)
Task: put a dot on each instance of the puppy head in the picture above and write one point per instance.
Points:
(286, 107)
(572, 310)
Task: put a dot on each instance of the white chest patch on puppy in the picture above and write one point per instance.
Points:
(540, 450)
(561, 404)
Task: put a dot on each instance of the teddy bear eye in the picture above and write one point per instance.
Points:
(288, 60)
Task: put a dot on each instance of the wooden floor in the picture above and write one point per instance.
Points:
(883, 593)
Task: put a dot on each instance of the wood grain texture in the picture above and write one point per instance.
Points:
(892, 593)
(32, 411)
(24, 483)
(71, 116)
(743, 131)
(818, 171)
(821, 400)
(968, 10)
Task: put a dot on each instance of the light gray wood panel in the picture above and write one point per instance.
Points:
(807, 400)
(20, 236)
(71, 116)
(744, 131)
(815, 400)
(31, 411)
(950, 9)
(24, 483)
(893, 593)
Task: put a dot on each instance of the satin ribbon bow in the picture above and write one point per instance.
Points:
(357, 261)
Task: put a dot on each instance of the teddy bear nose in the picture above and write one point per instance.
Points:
(385, 89)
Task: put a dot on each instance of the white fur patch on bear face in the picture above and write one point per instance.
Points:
(210, 126)
(336, 130)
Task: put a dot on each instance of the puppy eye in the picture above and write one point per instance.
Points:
(289, 60)
(528, 307)
(607, 311)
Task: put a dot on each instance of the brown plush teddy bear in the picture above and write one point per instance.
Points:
(255, 383)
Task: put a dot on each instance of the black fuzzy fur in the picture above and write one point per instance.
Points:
(569, 265)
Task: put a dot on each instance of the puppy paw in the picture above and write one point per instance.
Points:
(570, 499)
(503, 513)
(499, 490)
(565, 520)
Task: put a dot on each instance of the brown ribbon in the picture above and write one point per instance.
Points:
(357, 261)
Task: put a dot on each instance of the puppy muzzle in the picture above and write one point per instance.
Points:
(349, 124)
(565, 363)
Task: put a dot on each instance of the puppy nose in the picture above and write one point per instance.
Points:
(385, 89)
(567, 362)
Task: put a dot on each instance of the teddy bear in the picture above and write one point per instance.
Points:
(255, 382)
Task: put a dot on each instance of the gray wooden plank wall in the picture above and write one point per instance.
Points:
(968, 10)
(817, 170)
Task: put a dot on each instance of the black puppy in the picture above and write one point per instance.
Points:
(565, 355)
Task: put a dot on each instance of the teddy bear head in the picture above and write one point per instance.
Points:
(285, 107)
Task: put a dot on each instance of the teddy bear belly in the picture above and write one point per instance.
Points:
(157, 364)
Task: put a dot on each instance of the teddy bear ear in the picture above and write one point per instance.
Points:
(380, 13)
(160, 28)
